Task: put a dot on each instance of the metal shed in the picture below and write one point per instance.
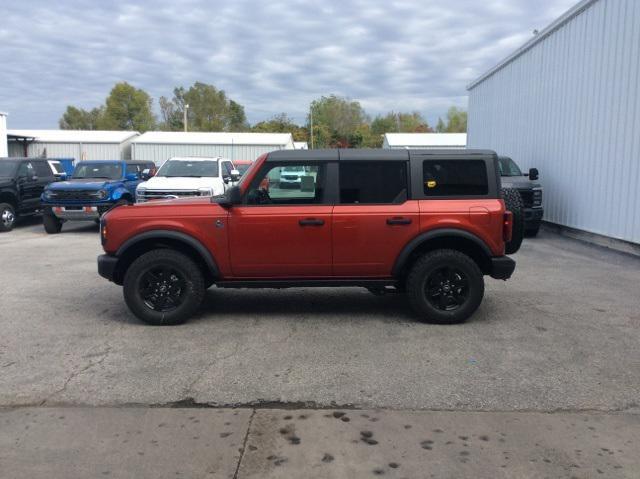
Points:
(424, 140)
(77, 144)
(567, 102)
(159, 146)
(3, 135)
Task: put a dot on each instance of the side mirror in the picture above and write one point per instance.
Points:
(226, 179)
(232, 197)
(131, 177)
(533, 174)
(235, 175)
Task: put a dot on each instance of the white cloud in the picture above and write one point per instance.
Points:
(270, 56)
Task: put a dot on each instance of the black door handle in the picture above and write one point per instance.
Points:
(398, 220)
(311, 222)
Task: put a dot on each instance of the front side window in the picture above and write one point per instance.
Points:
(373, 182)
(109, 171)
(42, 169)
(455, 178)
(227, 166)
(26, 170)
(288, 185)
(133, 169)
(189, 169)
(508, 167)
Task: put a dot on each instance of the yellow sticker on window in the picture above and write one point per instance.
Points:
(431, 184)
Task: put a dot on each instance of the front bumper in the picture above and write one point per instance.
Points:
(502, 267)
(107, 266)
(533, 217)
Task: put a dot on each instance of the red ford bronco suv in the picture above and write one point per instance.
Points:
(429, 223)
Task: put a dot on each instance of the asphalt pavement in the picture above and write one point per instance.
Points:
(562, 337)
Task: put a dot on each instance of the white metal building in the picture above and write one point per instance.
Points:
(301, 145)
(568, 103)
(3, 135)
(77, 144)
(424, 140)
(159, 146)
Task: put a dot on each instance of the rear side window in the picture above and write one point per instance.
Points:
(373, 182)
(42, 169)
(455, 178)
(133, 168)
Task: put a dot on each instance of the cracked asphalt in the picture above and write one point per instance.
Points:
(548, 371)
(562, 334)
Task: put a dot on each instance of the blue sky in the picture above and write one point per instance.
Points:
(271, 56)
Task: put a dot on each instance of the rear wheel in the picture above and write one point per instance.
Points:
(513, 202)
(163, 287)
(445, 287)
(52, 224)
(7, 217)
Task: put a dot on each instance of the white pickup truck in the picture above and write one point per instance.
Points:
(182, 177)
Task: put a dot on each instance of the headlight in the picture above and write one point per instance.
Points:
(102, 194)
(205, 191)
(48, 194)
(537, 197)
(140, 192)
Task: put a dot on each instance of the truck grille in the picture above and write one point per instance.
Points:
(164, 194)
(531, 198)
(75, 195)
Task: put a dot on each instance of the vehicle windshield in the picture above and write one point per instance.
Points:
(8, 167)
(508, 167)
(189, 169)
(110, 171)
(242, 169)
(293, 168)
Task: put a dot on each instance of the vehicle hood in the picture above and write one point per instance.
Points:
(181, 183)
(81, 184)
(518, 182)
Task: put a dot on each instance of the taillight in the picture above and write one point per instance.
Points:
(507, 226)
(103, 230)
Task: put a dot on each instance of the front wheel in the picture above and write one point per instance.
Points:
(445, 287)
(163, 287)
(52, 224)
(7, 217)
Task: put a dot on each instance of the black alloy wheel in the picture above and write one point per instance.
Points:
(162, 289)
(447, 288)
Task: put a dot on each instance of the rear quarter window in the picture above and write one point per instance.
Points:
(455, 178)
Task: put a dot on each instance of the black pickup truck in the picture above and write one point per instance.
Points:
(530, 191)
(22, 181)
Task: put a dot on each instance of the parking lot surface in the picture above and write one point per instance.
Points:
(562, 334)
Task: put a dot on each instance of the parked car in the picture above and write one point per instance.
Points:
(189, 176)
(22, 181)
(427, 223)
(94, 188)
(530, 191)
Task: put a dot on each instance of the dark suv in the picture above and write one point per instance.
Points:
(22, 181)
(425, 222)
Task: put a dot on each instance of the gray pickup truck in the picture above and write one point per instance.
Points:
(530, 191)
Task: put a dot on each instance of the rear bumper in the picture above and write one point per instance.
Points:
(107, 266)
(502, 267)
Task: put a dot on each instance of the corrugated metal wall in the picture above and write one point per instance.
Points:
(570, 106)
(159, 153)
(92, 151)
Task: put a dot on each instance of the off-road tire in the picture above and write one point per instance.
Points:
(513, 203)
(52, 224)
(7, 211)
(420, 272)
(193, 291)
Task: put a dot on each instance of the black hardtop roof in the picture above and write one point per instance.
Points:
(378, 154)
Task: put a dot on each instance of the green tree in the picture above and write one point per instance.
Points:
(80, 119)
(170, 114)
(456, 120)
(337, 121)
(282, 123)
(440, 126)
(401, 123)
(128, 108)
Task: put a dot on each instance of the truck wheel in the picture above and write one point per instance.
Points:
(513, 203)
(52, 224)
(445, 287)
(163, 287)
(7, 217)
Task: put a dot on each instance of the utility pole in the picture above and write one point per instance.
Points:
(186, 107)
(311, 123)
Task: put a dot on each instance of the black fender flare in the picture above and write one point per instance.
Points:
(411, 246)
(175, 236)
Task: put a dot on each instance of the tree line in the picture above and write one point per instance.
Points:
(337, 121)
